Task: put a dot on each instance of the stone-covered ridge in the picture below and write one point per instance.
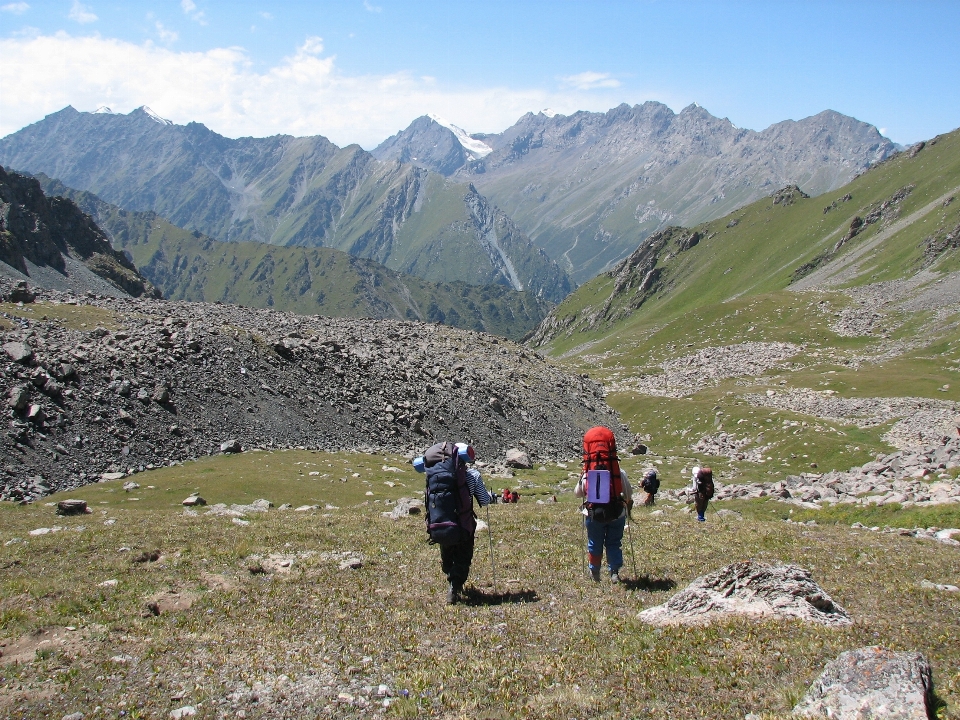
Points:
(898, 478)
(159, 382)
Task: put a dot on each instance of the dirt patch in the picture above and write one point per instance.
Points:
(25, 648)
(170, 601)
(215, 582)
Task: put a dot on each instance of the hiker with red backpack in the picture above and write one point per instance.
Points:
(451, 522)
(702, 487)
(607, 497)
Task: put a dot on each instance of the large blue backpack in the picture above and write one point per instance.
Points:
(449, 505)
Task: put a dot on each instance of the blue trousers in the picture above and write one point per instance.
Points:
(605, 535)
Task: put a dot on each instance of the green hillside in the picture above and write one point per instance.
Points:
(190, 266)
(863, 283)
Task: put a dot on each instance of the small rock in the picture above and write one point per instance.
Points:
(182, 712)
(73, 716)
(927, 585)
(231, 446)
(194, 501)
(131, 486)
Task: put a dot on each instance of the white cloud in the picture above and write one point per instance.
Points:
(371, 8)
(17, 8)
(81, 13)
(590, 81)
(189, 8)
(303, 94)
(167, 36)
(265, 15)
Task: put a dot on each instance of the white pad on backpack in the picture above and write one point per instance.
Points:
(598, 486)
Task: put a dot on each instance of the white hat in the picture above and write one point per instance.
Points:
(696, 470)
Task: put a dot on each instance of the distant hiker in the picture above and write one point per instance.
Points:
(650, 485)
(451, 522)
(702, 486)
(606, 495)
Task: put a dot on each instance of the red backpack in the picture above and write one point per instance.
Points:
(603, 502)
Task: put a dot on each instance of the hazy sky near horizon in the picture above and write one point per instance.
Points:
(360, 71)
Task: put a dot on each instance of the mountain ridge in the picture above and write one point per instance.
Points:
(588, 187)
(52, 237)
(194, 267)
(285, 191)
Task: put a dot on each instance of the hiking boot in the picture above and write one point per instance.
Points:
(614, 577)
(453, 594)
(701, 518)
(595, 574)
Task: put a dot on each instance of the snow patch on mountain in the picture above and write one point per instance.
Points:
(103, 110)
(476, 148)
(548, 112)
(156, 118)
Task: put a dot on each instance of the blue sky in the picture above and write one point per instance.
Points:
(361, 71)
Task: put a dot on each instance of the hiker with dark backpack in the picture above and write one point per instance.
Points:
(451, 522)
(650, 485)
(607, 496)
(702, 487)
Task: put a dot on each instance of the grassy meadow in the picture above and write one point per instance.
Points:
(537, 639)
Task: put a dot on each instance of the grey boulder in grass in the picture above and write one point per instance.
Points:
(868, 683)
(749, 588)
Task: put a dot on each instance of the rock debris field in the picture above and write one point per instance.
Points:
(152, 382)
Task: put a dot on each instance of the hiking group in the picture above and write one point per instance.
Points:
(452, 486)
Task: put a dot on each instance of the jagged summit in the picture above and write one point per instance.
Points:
(475, 148)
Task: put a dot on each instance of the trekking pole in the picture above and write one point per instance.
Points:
(493, 568)
(586, 565)
(633, 557)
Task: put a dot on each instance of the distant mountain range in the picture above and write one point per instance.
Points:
(588, 187)
(550, 202)
(895, 229)
(287, 191)
(191, 266)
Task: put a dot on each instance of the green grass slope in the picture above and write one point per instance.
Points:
(189, 266)
(786, 269)
(537, 638)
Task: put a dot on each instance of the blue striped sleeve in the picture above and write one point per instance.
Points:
(477, 488)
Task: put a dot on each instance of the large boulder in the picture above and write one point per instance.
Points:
(749, 588)
(72, 507)
(406, 506)
(517, 458)
(19, 352)
(868, 683)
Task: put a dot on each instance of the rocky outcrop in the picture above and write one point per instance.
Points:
(40, 231)
(161, 382)
(871, 683)
(753, 589)
(902, 478)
